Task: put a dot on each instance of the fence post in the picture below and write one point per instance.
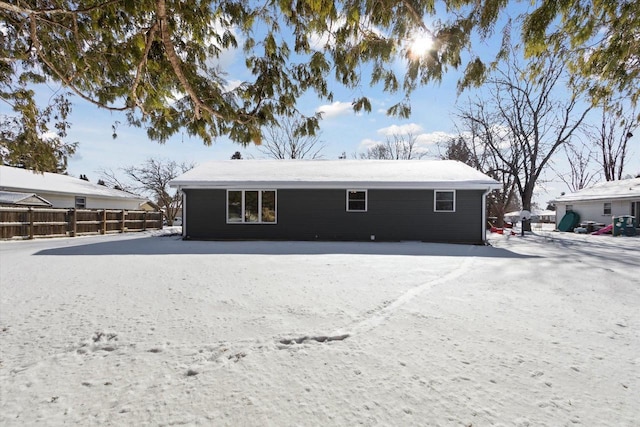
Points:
(31, 225)
(74, 218)
(123, 220)
(103, 229)
(144, 221)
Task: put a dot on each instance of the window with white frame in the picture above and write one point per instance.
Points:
(251, 206)
(606, 209)
(569, 208)
(444, 201)
(356, 200)
(81, 202)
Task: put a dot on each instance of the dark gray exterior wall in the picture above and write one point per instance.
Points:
(392, 215)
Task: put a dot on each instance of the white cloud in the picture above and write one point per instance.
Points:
(334, 110)
(49, 136)
(367, 143)
(410, 128)
(433, 138)
(414, 129)
(424, 141)
(232, 84)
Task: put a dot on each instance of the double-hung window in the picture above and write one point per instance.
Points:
(356, 200)
(607, 209)
(444, 201)
(81, 202)
(251, 206)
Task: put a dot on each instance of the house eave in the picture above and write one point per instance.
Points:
(332, 185)
(597, 199)
(70, 193)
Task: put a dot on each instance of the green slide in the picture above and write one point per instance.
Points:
(569, 221)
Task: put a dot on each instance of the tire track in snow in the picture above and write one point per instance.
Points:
(384, 313)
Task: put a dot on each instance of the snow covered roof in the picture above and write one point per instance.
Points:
(22, 199)
(23, 180)
(608, 190)
(410, 174)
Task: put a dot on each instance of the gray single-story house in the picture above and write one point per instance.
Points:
(601, 202)
(425, 200)
(63, 191)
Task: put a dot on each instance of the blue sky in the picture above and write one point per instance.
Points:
(342, 130)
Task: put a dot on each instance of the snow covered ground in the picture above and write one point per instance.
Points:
(140, 329)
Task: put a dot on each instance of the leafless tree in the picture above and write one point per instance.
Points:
(469, 147)
(286, 141)
(616, 128)
(111, 179)
(529, 123)
(152, 178)
(396, 147)
(580, 158)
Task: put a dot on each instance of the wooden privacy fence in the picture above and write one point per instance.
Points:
(28, 223)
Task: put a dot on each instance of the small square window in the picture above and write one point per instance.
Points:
(569, 208)
(81, 202)
(607, 209)
(445, 201)
(356, 200)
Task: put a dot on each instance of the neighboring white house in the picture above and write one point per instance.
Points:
(64, 191)
(602, 201)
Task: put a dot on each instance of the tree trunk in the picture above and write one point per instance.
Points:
(526, 196)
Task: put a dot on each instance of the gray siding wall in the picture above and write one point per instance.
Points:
(321, 215)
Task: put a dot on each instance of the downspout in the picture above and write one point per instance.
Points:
(484, 216)
(184, 214)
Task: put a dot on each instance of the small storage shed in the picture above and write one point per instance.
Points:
(603, 201)
(426, 200)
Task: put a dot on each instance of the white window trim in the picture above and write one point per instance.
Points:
(604, 208)
(366, 200)
(435, 199)
(259, 207)
(84, 202)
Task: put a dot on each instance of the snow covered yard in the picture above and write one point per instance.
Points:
(149, 330)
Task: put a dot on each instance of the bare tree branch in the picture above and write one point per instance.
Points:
(152, 178)
(285, 141)
(396, 147)
(612, 137)
(523, 124)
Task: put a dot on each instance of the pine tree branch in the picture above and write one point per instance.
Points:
(33, 29)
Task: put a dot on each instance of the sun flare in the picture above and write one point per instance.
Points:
(421, 45)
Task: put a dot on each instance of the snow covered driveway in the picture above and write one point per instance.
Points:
(143, 330)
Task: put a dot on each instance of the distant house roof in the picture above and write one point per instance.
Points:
(535, 213)
(23, 180)
(22, 199)
(282, 174)
(149, 205)
(608, 190)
